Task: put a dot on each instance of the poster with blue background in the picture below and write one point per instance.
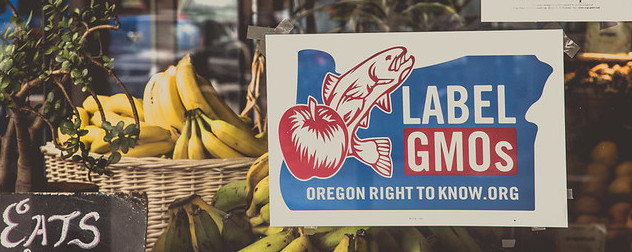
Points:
(439, 128)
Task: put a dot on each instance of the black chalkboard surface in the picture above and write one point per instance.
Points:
(73, 222)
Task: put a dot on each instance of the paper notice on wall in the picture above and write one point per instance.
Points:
(555, 10)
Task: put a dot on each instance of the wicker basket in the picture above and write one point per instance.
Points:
(163, 180)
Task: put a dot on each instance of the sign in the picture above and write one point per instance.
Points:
(555, 10)
(445, 128)
(73, 222)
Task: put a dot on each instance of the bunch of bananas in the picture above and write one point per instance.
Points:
(152, 140)
(202, 124)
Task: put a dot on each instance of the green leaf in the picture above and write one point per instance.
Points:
(50, 97)
(76, 158)
(114, 158)
(65, 65)
(82, 132)
(106, 126)
(6, 64)
(130, 130)
(115, 144)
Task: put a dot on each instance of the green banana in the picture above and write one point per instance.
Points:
(264, 212)
(300, 244)
(274, 242)
(330, 240)
(410, 239)
(178, 236)
(207, 233)
(346, 244)
(236, 234)
(159, 244)
(261, 196)
(231, 196)
(361, 243)
(257, 171)
(216, 214)
(384, 239)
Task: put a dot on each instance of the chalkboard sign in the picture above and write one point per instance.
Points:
(73, 222)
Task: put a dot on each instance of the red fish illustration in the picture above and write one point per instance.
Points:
(354, 94)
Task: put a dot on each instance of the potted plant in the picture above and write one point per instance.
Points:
(54, 60)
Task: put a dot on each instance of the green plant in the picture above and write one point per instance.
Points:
(54, 60)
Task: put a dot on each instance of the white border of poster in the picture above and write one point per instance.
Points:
(429, 48)
(555, 10)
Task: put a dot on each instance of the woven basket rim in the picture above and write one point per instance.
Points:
(50, 149)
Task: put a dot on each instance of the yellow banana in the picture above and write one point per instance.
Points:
(148, 107)
(331, 239)
(90, 105)
(213, 145)
(236, 138)
(264, 212)
(119, 104)
(113, 118)
(260, 196)
(231, 196)
(300, 244)
(196, 147)
(189, 90)
(153, 149)
(223, 111)
(345, 244)
(153, 133)
(257, 171)
(171, 107)
(84, 117)
(274, 242)
(181, 148)
(99, 145)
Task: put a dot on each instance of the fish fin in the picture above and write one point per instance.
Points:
(328, 86)
(384, 103)
(375, 152)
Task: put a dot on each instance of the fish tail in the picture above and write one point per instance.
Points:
(375, 152)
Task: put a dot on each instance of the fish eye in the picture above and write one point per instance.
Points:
(388, 57)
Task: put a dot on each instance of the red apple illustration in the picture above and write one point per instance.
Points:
(313, 140)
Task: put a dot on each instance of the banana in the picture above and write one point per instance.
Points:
(196, 147)
(91, 136)
(213, 145)
(247, 120)
(410, 239)
(467, 239)
(261, 196)
(346, 244)
(236, 234)
(111, 117)
(151, 149)
(206, 232)
(178, 236)
(181, 148)
(171, 107)
(189, 90)
(99, 145)
(160, 243)
(152, 133)
(119, 104)
(361, 244)
(330, 240)
(84, 117)
(264, 212)
(155, 103)
(274, 242)
(384, 239)
(216, 214)
(300, 244)
(148, 109)
(256, 172)
(223, 111)
(231, 196)
(90, 105)
(236, 138)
